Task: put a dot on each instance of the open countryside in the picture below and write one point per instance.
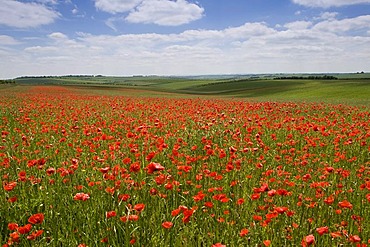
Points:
(158, 161)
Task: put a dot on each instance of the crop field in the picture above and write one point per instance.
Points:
(351, 89)
(104, 167)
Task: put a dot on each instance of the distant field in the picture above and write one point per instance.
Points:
(348, 88)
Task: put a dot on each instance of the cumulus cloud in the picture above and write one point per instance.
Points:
(344, 25)
(321, 46)
(25, 15)
(160, 12)
(116, 6)
(8, 40)
(298, 25)
(327, 16)
(329, 3)
(165, 12)
(58, 36)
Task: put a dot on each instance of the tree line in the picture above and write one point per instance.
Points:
(7, 81)
(311, 77)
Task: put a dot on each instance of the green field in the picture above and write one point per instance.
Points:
(347, 88)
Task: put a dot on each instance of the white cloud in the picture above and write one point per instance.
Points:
(344, 25)
(7, 40)
(326, 46)
(329, 3)
(116, 6)
(160, 12)
(165, 12)
(298, 25)
(54, 2)
(327, 16)
(58, 36)
(25, 15)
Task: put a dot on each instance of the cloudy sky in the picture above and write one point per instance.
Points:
(183, 37)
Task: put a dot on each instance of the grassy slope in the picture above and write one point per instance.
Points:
(353, 90)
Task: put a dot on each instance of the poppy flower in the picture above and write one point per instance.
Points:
(153, 167)
(132, 241)
(14, 237)
(167, 224)
(243, 232)
(355, 239)
(35, 234)
(135, 167)
(12, 199)
(322, 230)
(24, 229)
(345, 204)
(308, 240)
(257, 217)
(131, 217)
(139, 207)
(110, 214)
(266, 242)
(81, 197)
(124, 197)
(12, 226)
(36, 218)
(218, 245)
(187, 214)
(9, 186)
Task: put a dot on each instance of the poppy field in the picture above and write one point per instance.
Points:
(85, 169)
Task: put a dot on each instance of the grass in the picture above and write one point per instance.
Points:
(350, 88)
(224, 171)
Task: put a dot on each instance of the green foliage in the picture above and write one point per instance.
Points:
(7, 81)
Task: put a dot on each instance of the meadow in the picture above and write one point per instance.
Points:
(196, 163)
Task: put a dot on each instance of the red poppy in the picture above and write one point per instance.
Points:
(12, 199)
(198, 197)
(153, 167)
(12, 226)
(308, 240)
(266, 242)
(355, 239)
(124, 197)
(135, 167)
(36, 218)
(322, 230)
(257, 217)
(139, 207)
(240, 201)
(255, 196)
(187, 214)
(35, 234)
(9, 186)
(243, 232)
(218, 245)
(167, 224)
(336, 234)
(175, 212)
(131, 217)
(50, 171)
(14, 237)
(81, 197)
(24, 229)
(110, 214)
(345, 204)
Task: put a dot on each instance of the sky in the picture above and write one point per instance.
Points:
(182, 37)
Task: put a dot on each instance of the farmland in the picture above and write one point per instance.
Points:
(347, 88)
(185, 162)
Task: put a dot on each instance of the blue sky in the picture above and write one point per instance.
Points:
(183, 37)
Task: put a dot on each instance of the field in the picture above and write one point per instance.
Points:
(185, 162)
(347, 88)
